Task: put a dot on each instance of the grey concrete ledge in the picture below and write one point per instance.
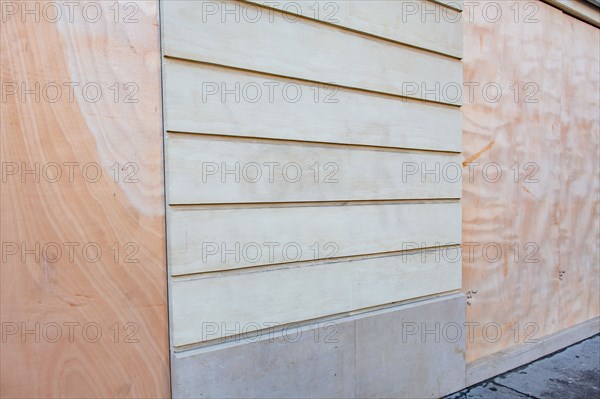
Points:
(410, 350)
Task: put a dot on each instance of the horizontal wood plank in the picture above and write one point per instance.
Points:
(207, 99)
(210, 308)
(454, 4)
(419, 23)
(209, 239)
(205, 169)
(581, 9)
(305, 49)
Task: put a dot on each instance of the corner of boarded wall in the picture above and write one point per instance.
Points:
(542, 212)
(301, 263)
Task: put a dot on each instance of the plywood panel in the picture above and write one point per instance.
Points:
(582, 9)
(210, 170)
(250, 301)
(579, 297)
(418, 23)
(543, 211)
(196, 101)
(207, 99)
(55, 303)
(209, 239)
(308, 50)
(247, 254)
(453, 4)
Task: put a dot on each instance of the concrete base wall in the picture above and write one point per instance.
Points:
(411, 350)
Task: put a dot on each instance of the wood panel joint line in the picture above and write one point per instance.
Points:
(359, 32)
(446, 5)
(306, 263)
(303, 324)
(289, 204)
(359, 89)
(163, 118)
(275, 140)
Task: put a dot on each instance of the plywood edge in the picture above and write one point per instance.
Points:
(580, 9)
(503, 361)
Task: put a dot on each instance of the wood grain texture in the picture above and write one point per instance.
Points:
(519, 355)
(196, 101)
(243, 252)
(542, 215)
(45, 291)
(305, 49)
(251, 301)
(287, 234)
(205, 170)
(579, 297)
(419, 23)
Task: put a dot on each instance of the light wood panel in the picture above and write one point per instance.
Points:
(579, 200)
(581, 9)
(251, 301)
(64, 302)
(196, 101)
(308, 50)
(453, 4)
(554, 208)
(423, 24)
(245, 250)
(205, 170)
(199, 239)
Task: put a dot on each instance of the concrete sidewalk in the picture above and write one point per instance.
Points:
(572, 373)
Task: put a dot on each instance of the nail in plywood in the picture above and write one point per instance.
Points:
(579, 200)
(543, 212)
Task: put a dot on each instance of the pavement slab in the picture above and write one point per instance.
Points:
(572, 373)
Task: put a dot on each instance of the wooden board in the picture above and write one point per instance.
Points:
(308, 50)
(581, 9)
(541, 210)
(212, 308)
(452, 4)
(205, 170)
(209, 239)
(121, 293)
(196, 101)
(579, 200)
(243, 251)
(419, 23)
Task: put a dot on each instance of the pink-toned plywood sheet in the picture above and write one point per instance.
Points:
(540, 212)
(97, 322)
(579, 234)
